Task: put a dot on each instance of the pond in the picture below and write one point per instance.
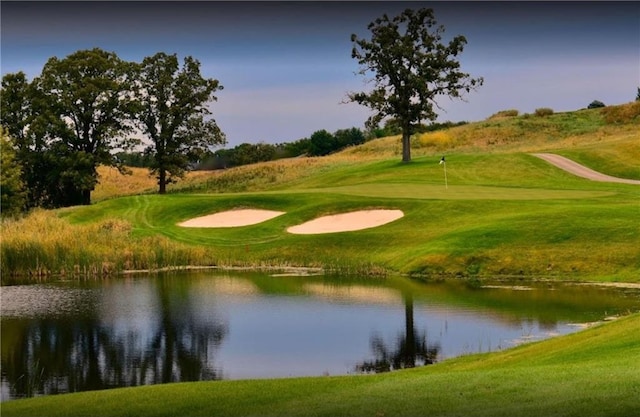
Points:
(71, 336)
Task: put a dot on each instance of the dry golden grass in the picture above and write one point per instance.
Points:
(622, 114)
(114, 184)
(31, 245)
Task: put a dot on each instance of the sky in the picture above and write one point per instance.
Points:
(286, 66)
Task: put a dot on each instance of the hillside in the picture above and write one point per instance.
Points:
(605, 139)
(501, 212)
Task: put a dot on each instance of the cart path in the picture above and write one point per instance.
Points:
(581, 170)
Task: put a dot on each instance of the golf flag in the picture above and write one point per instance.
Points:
(442, 161)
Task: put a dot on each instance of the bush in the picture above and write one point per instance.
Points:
(544, 111)
(505, 113)
(595, 104)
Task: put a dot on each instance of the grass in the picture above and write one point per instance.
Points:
(503, 212)
(589, 373)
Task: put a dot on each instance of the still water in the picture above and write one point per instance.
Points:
(78, 336)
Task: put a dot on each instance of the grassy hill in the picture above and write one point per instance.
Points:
(503, 212)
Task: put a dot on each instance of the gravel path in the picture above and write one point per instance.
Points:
(581, 170)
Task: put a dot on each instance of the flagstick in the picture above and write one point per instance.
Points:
(446, 185)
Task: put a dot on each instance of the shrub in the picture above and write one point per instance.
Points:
(544, 111)
(505, 113)
(595, 104)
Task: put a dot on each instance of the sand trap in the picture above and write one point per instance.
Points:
(232, 218)
(346, 222)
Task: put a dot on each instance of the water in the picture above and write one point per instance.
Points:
(78, 336)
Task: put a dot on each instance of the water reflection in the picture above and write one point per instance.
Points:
(411, 348)
(136, 334)
(72, 336)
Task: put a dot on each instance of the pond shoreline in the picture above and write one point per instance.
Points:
(302, 271)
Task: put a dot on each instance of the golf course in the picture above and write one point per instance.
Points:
(499, 207)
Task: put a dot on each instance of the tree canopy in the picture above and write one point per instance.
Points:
(82, 110)
(412, 67)
(170, 104)
(84, 106)
(12, 192)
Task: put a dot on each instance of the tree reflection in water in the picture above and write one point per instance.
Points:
(91, 354)
(410, 350)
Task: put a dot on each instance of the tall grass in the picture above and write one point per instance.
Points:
(43, 244)
(112, 183)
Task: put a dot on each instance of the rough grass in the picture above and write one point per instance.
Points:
(589, 373)
(44, 244)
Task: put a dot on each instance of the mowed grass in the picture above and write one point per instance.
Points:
(589, 373)
(481, 223)
(500, 212)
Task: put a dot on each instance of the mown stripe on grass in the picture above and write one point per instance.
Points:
(457, 192)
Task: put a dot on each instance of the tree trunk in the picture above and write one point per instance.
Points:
(86, 197)
(162, 181)
(406, 145)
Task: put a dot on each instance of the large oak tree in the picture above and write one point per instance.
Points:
(171, 105)
(66, 122)
(412, 67)
(84, 110)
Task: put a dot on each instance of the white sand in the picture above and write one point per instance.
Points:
(232, 218)
(346, 222)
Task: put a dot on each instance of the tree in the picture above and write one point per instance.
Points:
(638, 95)
(412, 68)
(83, 116)
(321, 143)
(595, 104)
(348, 137)
(170, 105)
(16, 108)
(15, 105)
(12, 191)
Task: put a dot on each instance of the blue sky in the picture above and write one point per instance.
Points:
(286, 66)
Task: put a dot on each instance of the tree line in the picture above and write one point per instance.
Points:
(84, 108)
(320, 143)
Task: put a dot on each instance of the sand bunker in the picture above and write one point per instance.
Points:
(346, 222)
(232, 218)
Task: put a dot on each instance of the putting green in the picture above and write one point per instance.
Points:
(458, 192)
